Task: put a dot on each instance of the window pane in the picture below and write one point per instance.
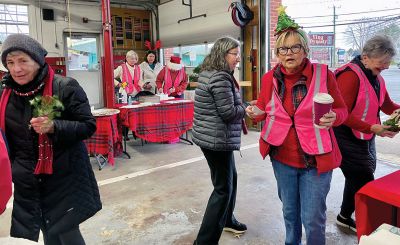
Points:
(11, 29)
(22, 9)
(11, 17)
(23, 18)
(24, 29)
(14, 18)
(10, 7)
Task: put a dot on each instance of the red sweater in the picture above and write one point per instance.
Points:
(349, 83)
(290, 152)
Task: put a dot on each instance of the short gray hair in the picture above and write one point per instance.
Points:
(215, 60)
(379, 46)
(132, 54)
(302, 35)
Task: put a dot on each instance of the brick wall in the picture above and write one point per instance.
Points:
(274, 19)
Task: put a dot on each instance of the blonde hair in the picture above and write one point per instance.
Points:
(132, 54)
(302, 36)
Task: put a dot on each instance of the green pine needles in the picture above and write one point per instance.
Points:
(49, 106)
(393, 121)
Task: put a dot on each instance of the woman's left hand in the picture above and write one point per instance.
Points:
(42, 125)
(328, 119)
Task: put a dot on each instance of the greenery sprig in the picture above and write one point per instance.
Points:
(49, 106)
(393, 121)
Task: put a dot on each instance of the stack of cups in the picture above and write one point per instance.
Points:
(322, 105)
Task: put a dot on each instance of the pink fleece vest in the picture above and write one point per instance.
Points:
(168, 80)
(133, 84)
(313, 141)
(367, 104)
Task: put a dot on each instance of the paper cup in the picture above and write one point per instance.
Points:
(322, 105)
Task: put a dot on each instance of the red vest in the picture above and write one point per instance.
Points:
(313, 141)
(168, 80)
(133, 84)
(367, 104)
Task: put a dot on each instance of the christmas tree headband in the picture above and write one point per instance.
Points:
(285, 23)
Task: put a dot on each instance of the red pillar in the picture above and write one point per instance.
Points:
(108, 63)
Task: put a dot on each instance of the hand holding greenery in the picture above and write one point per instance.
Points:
(49, 106)
(393, 121)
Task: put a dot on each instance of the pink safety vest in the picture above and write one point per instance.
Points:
(367, 104)
(168, 80)
(313, 141)
(133, 84)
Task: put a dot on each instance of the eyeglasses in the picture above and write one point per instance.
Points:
(235, 54)
(295, 49)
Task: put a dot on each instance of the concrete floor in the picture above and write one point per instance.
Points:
(158, 197)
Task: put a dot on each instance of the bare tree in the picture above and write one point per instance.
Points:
(393, 31)
(358, 33)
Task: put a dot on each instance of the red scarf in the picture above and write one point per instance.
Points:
(5, 176)
(45, 161)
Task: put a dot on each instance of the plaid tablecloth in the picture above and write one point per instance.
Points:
(105, 140)
(159, 123)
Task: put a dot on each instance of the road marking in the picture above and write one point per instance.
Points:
(151, 170)
(160, 168)
(148, 171)
(389, 159)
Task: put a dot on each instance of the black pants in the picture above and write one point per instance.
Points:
(354, 181)
(63, 232)
(358, 165)
(71, 237)
(221, 204)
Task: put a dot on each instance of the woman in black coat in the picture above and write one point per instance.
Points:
(217, 127)
(54, 185)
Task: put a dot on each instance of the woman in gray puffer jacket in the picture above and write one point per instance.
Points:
(218, 115)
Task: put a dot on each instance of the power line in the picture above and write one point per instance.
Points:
(356, 22)
(351, 20)
(365, 12)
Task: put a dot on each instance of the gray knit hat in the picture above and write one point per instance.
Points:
(25, 44)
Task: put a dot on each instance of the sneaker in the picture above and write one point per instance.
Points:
(236, 227)
(348, 223)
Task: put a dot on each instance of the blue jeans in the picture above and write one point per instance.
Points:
(303, 194)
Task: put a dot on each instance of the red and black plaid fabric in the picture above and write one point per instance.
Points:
(299, 92)
(105, 140)
(159, 123)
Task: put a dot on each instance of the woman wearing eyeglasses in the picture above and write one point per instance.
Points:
(217, 126)
(365, 95)
(302, 155)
